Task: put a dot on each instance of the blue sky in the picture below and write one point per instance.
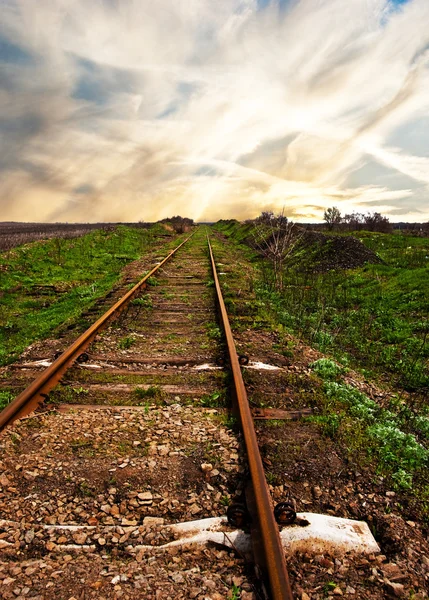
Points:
(130, 110)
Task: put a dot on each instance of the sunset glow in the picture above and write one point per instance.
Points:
(126, 110)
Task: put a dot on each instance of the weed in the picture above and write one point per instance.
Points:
(85, 489)
(144, 301)
(398, 453)
(126, 342)
(213, 331)
(234, 593)
(82, 447)
(153, 282)
(326, 368)
(15, 439)
(215, 399)
(166, 294)
(227, 420)
(80, 390)
(5, 398)
(271, 478)
(124, 447)
(153, 391)
(329, 586)
(329, 424)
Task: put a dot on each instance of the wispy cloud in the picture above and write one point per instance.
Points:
(128, 110)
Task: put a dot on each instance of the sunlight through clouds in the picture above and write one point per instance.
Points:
(126, 110)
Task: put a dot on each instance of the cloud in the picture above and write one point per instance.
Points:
(134, 110)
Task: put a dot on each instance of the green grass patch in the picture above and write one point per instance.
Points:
(5, 398)
(47, 283)
(153, 392)
(377, 315)
(213, 400)
(383, 433)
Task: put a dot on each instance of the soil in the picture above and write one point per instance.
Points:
(333, 252)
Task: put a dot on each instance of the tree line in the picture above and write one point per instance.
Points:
(357, 221)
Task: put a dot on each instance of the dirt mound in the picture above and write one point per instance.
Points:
(321, 253)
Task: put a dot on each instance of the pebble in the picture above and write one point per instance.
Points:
(317, 492)
(396, 589)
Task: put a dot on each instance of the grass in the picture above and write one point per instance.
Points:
(234, 593)
(214, 400)
(392, 437)
(5, 398)
(126, 342)
(153, 392)
(143, 302)
(375, 316)
(47, 283)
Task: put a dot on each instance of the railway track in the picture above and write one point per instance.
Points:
(132, 458)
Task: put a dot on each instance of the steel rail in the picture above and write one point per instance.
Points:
(30, 398)
(274, 563)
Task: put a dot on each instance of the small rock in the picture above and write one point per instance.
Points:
(392, 572)
(4, 481)
(350, 590)
(145, 497)
(96, 585)
(205, 467)
(337, 591)
(317, 492)
(195, 509)
(80, 537)
(209, 583)
(29, 536)
(395, 589)
(390, 494)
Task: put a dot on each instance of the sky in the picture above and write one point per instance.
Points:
(129, 110)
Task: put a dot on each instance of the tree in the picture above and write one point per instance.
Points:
(376, 222)
(354, 221)
(332, 216)
(275, 237)
(179, 224)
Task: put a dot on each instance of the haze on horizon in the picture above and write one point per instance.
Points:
(127, 110)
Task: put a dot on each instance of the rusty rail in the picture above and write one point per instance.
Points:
(29, 399)
(265, 532)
